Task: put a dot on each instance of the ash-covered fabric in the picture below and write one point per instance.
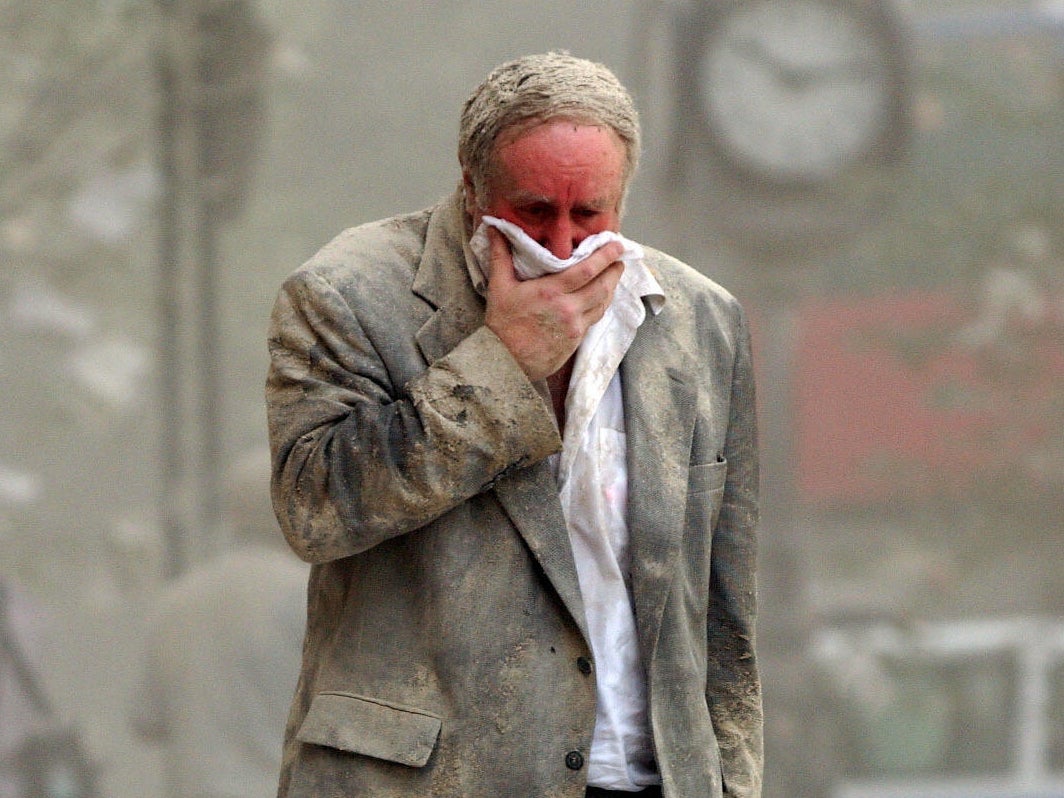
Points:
(593, 483)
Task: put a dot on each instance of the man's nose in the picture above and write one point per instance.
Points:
(561, 238)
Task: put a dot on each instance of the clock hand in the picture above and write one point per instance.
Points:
(792, 77)
(797, 78)
(851, 70)
(755, 51)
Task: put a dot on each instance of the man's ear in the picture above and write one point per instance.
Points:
(469, 194)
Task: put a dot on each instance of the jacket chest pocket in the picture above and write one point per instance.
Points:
(705, 493)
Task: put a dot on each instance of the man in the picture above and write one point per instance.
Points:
(493, 611)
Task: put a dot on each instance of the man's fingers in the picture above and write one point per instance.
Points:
(502, 263)
(599, 292)
(580, 274)
(542, 321)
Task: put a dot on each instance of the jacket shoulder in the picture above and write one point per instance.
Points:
(388, 249)
(689, 291)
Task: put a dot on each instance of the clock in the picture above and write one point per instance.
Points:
(794, 92)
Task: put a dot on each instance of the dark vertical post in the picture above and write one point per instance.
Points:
(208, 350)
(212, 59)
(231, 49)
(169, 378)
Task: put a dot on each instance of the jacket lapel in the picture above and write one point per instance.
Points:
(442, 280)
(530, 495)
(530, 498)
(659, 421)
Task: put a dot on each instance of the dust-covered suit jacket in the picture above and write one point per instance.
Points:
(446, 650)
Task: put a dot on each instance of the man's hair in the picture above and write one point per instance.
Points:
(534, 89)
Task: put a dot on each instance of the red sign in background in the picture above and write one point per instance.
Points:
(924, 394)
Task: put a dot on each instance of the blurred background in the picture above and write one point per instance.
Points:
(881, 184)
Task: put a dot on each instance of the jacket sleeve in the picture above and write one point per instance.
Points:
(733, 687)
(357, 460)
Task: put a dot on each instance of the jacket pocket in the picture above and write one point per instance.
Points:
(707, 477)
(705, 485)
(367, 726)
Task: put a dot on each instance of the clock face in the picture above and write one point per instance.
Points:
(796, 90)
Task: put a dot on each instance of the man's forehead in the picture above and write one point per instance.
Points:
(564, 148)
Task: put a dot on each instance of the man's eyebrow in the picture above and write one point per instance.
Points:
(530, 198)
(525, 198)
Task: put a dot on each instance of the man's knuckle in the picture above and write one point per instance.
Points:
(546, 292)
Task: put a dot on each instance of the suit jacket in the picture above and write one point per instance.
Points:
(446, 650)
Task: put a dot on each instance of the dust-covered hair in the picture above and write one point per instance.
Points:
(534, 89)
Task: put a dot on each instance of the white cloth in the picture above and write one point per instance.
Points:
(593, 484)
(532, 260)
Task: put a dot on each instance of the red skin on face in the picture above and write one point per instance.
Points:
(560, 182)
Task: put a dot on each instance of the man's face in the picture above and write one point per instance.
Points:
(560, 182)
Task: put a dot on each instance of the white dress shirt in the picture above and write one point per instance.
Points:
(593, 483)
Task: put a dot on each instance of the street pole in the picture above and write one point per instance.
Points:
(208, 350)
(171, 456)
(212, 55)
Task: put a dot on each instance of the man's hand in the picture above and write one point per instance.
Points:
(542, 321)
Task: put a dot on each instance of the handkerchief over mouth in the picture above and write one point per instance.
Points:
(532, 260)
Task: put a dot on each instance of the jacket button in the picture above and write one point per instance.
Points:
(574, 760)
(584, 664)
